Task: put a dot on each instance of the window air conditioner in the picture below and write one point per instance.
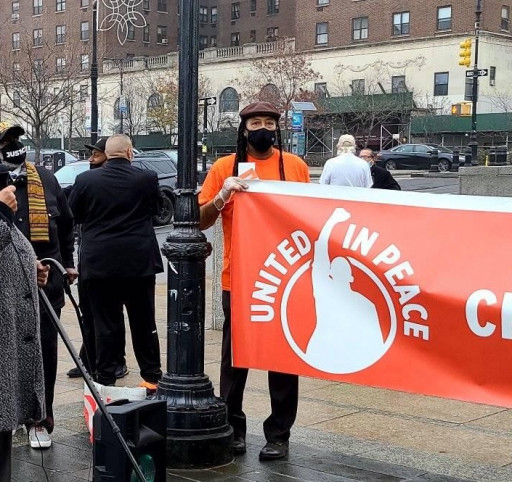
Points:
(165, 41)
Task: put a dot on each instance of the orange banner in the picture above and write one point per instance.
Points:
(401, 290)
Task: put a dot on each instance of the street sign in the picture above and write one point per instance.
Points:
(208, 100)
(477, 73)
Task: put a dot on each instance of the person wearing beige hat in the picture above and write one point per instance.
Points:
(257, 134)
(346, 169)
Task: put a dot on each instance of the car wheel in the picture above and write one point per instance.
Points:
(390, 165)
(166, 211)
(444, 165)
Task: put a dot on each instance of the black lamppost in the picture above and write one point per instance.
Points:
(198, 434)
(473, 143)
(94, 75)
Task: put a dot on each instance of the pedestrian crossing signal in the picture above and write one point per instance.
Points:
(462, 109)
(465, 53)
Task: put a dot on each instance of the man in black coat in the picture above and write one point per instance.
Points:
(44, 218)
(382, 178)
(119, 257)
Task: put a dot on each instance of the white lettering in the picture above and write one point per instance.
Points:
(263, 292)
(302, 242)
(506, 317)
(472, 312)
(364, 242)
(407, 293)
(271, 262)
(390, 255)
(266, 310)
(398, 272)
(348, 236)
(287, 251)
(416, 330)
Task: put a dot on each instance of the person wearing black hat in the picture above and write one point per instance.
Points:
(88, 348)
(44, 218)
(257, 134)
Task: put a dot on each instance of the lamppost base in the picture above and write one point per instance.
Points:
(198, 434)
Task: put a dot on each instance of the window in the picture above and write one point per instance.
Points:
(229, 100)
(272, 34)
(84, 3)
(161, 34)
(84, 93)
(84, 31)
(252, 6)
(203, 14)
(84, 62)
(441, 83)
(322, 33)
(60, 65)
(145, 4)
(37, 37)
(60, 36)
(357, 87)
(16, 67)
(213, 15)
(401, 23)
(444, 18)
(213, 41)
(505, 18)
(235, 11)
(321, 89)
(61, 6)
(16, 99)
(37, 8)
(155, 101)
(235, 39)
(252, 36)
(272, 7)
(203, 42)
(492, 75)
(38, 67)
(145, 33)
(131, 32)
(15, 9)
(360, 28)
(398, 84)
(162, 6)
(16, 41)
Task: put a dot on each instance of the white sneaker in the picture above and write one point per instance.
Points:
(39, 437)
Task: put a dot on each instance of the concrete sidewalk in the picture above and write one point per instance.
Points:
(343, 432)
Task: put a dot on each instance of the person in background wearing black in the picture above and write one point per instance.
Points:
(382, 178)
(119, 258)
(21, 361)
(44, 218)
(88, 349)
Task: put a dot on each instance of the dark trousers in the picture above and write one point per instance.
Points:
(49, 350)
(107, 298)
(5, 456)
(283, 389)
(88, 349)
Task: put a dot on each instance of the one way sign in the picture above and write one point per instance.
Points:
(477, 73)
(208, 100)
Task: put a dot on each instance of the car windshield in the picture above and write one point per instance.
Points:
(67, 174)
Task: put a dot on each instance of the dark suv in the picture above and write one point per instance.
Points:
(167, 178)
(165, 170)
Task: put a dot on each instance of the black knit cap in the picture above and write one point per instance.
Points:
(7, 130)
(259, 108)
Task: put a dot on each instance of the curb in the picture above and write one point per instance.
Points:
(435, 174)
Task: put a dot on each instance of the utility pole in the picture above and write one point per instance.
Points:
(94, 75)
(198, 433)
(473, 143)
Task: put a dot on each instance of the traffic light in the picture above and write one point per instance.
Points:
(143, 425)
(465, 53)
(462, 109)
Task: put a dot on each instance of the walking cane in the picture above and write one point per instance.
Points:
(85, 374)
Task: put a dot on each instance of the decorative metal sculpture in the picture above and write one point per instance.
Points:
(122, 15)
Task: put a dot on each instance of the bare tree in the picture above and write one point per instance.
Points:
(162, 104)
(280, 78)
(39, 83)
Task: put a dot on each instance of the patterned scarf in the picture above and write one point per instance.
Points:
(37, 213)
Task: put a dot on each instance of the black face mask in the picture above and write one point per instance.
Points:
(262, 139)
(13, 153)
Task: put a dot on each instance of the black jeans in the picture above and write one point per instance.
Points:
(5, 456)
(88, 348)
(283, 389)
(107, 298)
